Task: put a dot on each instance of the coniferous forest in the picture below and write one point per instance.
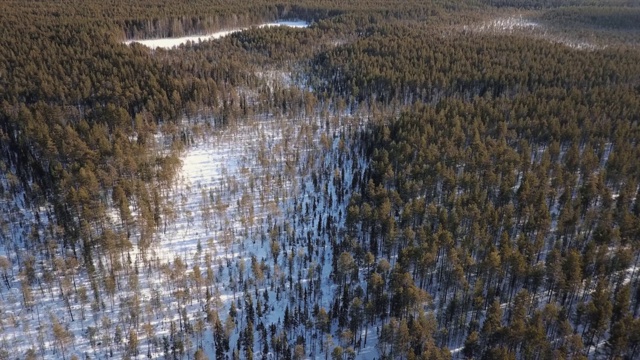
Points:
(370, 179)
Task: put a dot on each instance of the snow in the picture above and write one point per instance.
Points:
(522, 25)
(253, 161)
(251, 177)
(508, 24)
(236, 184)
(168, 43)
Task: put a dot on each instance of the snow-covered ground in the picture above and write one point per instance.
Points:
(507, 24)
(256, 182)
(168, 43)
(239, 188)
(523, 25)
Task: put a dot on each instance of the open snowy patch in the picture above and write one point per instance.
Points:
(168, 43)
(521, 25)
(507, 25)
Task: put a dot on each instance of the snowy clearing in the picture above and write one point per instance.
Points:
(522, 25)
(168, 43)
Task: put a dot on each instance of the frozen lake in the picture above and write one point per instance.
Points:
(168, 43)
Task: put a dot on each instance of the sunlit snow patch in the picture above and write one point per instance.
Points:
(504, 25)
(525, 26)
(168, 43)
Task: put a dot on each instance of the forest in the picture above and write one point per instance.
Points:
(385, 180)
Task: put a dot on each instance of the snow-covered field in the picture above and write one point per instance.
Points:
(168, 43)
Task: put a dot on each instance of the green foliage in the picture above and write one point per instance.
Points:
(502, 170)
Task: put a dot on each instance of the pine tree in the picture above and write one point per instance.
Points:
(492, 326)
(472, 345)
(599, 312)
